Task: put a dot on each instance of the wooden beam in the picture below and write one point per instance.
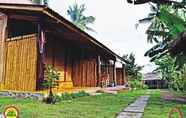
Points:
(98, 69)
(123, 73)
(114, 74)
(24, 17)
(35, 8)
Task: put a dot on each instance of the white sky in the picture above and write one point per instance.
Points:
(115, 25)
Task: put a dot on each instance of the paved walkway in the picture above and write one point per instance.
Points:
(136, 109)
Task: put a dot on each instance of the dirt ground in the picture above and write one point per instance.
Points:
(170, 96)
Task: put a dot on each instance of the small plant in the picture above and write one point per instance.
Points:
(70, 96)
(135, 84)
(50, 83)
(66, 96)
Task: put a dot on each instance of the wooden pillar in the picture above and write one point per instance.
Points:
(98, 69)
(123, 74)
(114, 74)
(3, 25)
(40, 54)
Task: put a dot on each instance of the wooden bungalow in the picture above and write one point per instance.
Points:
(153, 81)
(32, 36)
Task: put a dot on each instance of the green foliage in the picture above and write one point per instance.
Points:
(37, 1)
(168, 71)
(166, 22)
(77, 17)
(132, 69)
(137, 84)
(70, 96)
(40, 1)
(52, 76)
(50, 82)
(134, 83)
(66, 96)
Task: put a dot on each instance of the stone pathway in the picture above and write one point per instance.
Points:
(136, 109)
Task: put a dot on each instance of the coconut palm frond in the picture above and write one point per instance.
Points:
(77, 17)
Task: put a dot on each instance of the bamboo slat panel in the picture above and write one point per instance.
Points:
(21, 63)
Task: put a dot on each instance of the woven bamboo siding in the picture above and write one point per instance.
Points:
(21, 63)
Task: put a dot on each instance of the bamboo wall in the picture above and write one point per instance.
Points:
(20, 63)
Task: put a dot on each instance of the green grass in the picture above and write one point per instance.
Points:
(102, 106)
(159, 108)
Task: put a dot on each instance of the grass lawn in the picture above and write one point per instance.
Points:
(102, 106)
(158, 108)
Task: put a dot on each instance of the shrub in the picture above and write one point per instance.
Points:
(135, 84)
(66, 96)
(70, 96)
(145, 86)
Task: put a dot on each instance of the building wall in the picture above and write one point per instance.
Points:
(77, 66)
(120, 76)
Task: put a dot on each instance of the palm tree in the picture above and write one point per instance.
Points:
(77, 17)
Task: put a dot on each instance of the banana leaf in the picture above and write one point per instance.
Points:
(174, 23)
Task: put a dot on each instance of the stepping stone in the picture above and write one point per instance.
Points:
(129, 115)
(136, 109)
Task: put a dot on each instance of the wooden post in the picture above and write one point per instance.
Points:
(114, 74)
(123, 74)
(3, 25)
(98, 69)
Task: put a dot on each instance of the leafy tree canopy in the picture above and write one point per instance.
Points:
(132, 69)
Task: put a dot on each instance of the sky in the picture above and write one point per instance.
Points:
(115, 25)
